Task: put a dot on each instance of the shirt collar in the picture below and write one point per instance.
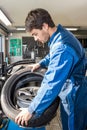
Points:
(52, 37)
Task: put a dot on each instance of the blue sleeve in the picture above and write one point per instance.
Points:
(56, 75)
(45, 62)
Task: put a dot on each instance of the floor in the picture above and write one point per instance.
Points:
(55, 124)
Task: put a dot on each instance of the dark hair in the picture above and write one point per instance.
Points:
(36, 18)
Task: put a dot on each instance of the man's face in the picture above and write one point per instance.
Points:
(41, 35)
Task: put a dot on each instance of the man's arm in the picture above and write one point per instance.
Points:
(54, 78)
(56, 75)
(43, 63)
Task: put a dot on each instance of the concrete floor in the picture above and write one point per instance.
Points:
(55, 124)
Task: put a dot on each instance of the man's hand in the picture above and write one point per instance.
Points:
(34, 67)
(23, 117)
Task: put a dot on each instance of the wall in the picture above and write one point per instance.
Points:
(30, 46)
(15, 36)
(2, 42)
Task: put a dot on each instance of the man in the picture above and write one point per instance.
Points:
(65, 72)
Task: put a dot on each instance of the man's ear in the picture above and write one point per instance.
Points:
(45, 26)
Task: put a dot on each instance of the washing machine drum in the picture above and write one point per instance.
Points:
(18, 92)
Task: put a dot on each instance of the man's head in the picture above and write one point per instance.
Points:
(38, 23)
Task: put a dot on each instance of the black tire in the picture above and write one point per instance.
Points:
(1, 84)
(8, 98)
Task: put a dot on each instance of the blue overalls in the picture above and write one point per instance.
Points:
(61, 79)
